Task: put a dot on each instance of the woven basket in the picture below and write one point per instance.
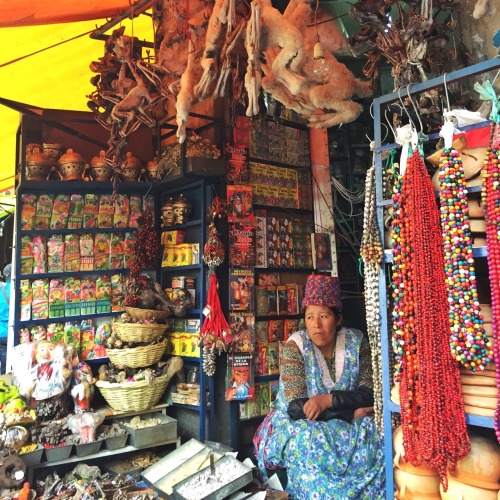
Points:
(149, 314)
(139, 332)
(133, 396)
(137, 357)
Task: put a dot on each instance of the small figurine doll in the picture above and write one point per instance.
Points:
(82, 387)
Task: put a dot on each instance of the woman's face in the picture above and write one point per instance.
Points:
(321, 325)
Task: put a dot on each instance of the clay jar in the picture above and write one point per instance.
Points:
(182, 209)
(167, 213)
(38, 165)
(131, 168)
(152, 169)
(71, 166)
(100, 170)
(53, 151)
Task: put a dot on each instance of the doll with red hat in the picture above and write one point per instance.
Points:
(321, 428)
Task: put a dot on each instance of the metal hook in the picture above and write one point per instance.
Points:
(446, 92)
(390, 125)
(415, 109)
(404, 107)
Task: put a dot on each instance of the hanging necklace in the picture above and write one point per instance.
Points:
(491, 199)
(371, 253)
(469, 342)
(432, 409)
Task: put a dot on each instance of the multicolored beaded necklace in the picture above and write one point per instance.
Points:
(491, 200)
(469, 342)
(372, 254)
(432, 409)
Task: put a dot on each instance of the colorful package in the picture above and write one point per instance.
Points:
(72, 334)
(116, 251)
(75, 219)
(122, 210)
(28, 211)
(118, 292)
(38, 332)
(56, 298)
(43, 211)
(24, 335)
(87, 339)
(39, 255)
(106, 211)
(71, 253)
(86, 252)
(128, 248)
(72, 296)
(135, 210)
(26, 255)
(148, 202)
(55, 332)
(90, 210)
(40, 300)
(55, 254)
(173, 237)
(26, 297)
(103, 294)
(101, 251)
(60, 212)
(88, 296)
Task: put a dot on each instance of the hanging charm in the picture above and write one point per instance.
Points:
(215, 333)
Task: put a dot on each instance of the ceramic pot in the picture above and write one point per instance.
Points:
(53, 151)
(30, 148)
(38, 165)
(131, 168)
(152, 170)
(481, 467)
(415, 487)
(71, 166)
(167, 213)
(399, 462)
(182, 209)
(461, 491)
(100, 170)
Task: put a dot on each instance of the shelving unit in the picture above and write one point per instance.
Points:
(80, 131)
(200, 194)
(278, 152)
(378, 109)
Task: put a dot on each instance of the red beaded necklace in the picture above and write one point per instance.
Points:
(469, 342)
(432, 410)
(491, 199)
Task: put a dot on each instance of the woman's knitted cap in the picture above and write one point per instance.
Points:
(322, 290)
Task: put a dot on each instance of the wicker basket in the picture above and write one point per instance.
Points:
(137, 357)
(149, 314)
(139, 332)
(133, 396)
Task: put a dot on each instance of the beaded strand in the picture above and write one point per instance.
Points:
(468, 341)
(491, 200)
(372, 254)
(398, 312)
(432, 408)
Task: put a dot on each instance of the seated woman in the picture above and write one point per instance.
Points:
(321, 428)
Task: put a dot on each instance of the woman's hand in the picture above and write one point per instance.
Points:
(316, 405)
(363, 412)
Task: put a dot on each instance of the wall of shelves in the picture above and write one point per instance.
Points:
(79, 131)
(382, 203)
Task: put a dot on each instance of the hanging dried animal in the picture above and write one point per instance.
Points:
(127, 91)
(299, 86)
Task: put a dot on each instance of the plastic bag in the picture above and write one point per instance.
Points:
(84, 425)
